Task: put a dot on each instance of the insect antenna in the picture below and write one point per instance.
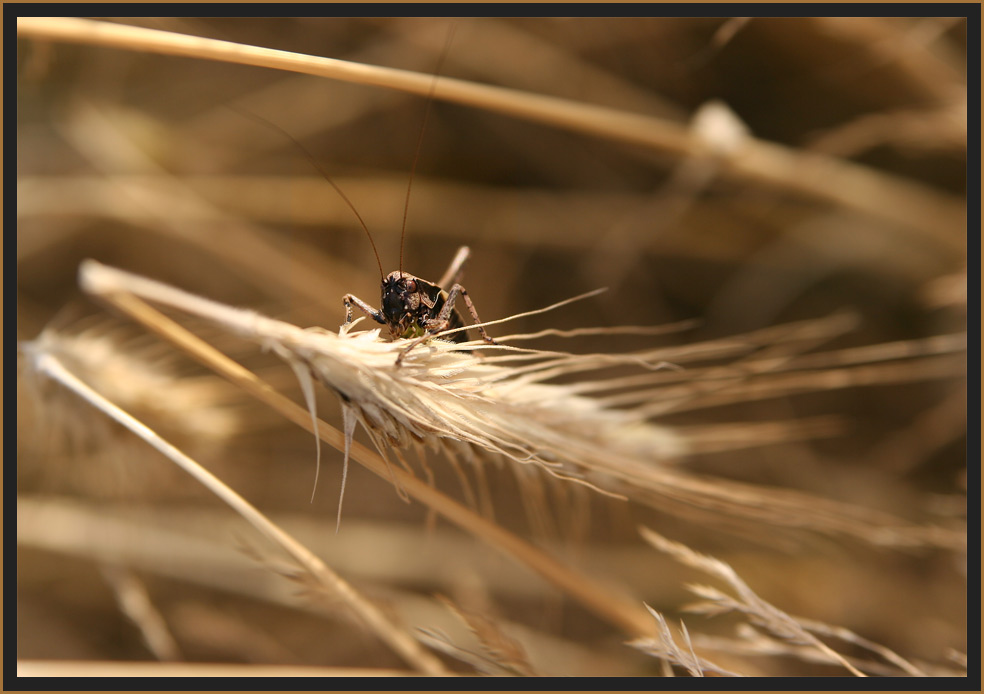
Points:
(317, 165)
(420, 138)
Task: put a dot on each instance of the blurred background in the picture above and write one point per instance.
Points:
(163, 166)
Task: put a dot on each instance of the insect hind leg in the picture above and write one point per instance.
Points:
(445, 316)
(436, 325)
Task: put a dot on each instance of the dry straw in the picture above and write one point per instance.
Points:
(827, 178)
(121, 290)
(321, 575)
(554, 414)
(789, 635)
(447, 396)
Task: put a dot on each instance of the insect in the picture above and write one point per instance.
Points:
(412, 308)
(415, 308)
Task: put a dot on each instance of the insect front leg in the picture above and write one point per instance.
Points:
(350, 299)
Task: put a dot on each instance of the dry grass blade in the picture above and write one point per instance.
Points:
(439, 394)
(838, 181)
(445, 396)
(136, 604)
(765, 614)
(849, 636)
(498, 647)
(130, 373)
(396, 637)
(751, 642)
(795, 184)
(665, 646)
(796, 631)
(106, 283)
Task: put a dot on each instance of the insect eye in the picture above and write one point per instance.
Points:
(411, 286)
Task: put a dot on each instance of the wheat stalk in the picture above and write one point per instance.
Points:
(445, 395)
(45, 364)
(831, 179)
(106, 282)
(795, 631)
(146, 160)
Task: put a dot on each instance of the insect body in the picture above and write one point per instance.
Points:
(416, 309)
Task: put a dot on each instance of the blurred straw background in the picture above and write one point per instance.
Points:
(152, 163)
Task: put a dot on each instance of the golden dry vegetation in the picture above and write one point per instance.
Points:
(785, 195)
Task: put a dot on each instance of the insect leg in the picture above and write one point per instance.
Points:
(436, 325)
(453, 274)
(457, 290)
(350, 299)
